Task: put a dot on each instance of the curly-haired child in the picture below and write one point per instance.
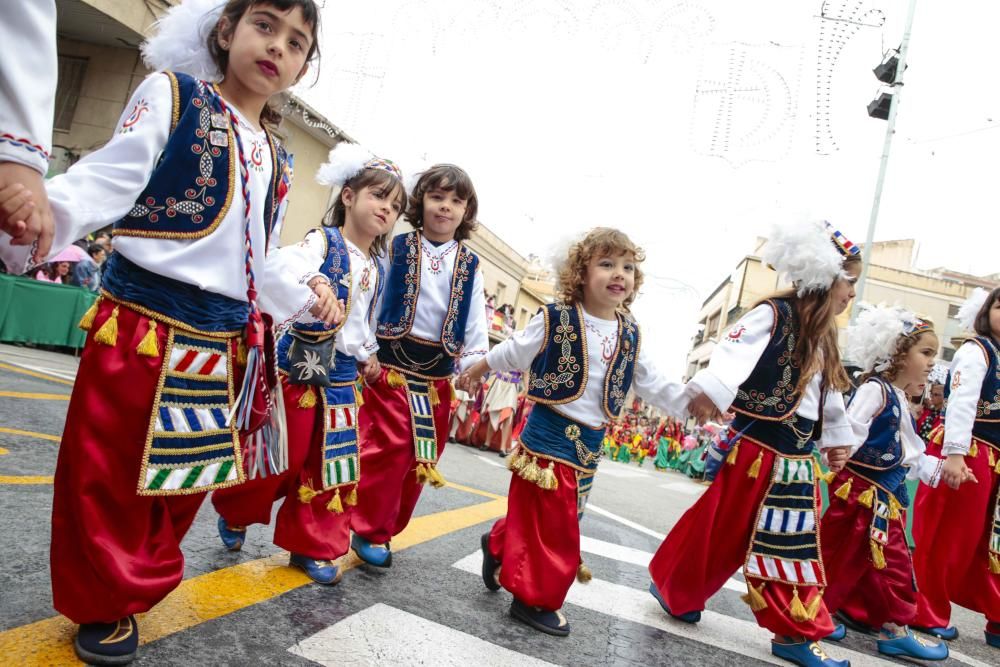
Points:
(584, 353)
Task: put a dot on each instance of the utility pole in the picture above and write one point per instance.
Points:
(890, 130)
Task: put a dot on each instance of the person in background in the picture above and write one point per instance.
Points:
(87, 272)
(54, 272)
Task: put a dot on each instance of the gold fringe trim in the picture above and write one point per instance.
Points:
(733, 453)
(148, 347)
(432, 392)
(974, 449)
(87, 321)
(878, 556)
(352, 497)
(422, 476)
(435, 477)
(994, 563)
(108, 333)
(894, 508)
(583, 574)
(754, 469)
(307, 493)
(395, 379)
(867, 497)
(547, 478)
(845, 489)
(531, 472)
(754, 597)
(335, 505)
(796, 609)
(308, 398)
(517, 461)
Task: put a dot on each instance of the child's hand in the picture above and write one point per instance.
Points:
(371, 369)
(954, 471)
(17, 204)
(470, 380)
(703, 409)
(836, 458)
(37, 225)
(327, 308)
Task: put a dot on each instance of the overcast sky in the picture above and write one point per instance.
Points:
(691, 125)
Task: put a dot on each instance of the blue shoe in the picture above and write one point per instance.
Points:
(491, 566)
(232, 537)
(992, 639)
(550, 622)
(838, 633)
(949, 633)
(806, 654)
(108, 643)
(321, 571)
(911, 646)
(689, 617)
(378, 555)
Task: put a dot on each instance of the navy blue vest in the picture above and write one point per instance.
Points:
(879, 458)
(402, 291)
(987, 424)
(770, 393)
(196, 178)
(560, 371)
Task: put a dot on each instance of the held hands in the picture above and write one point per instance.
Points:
(954, 472)
(704, 410)
(25, 213)
(470, 380)
(836, 458)
(327, 307)
(370, 369)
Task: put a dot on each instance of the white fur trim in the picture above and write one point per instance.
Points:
(345, 161)
(967, 313)
(804, 254)
(179, 42)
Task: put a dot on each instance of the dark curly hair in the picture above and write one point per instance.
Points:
(447, 177)
(599, 242)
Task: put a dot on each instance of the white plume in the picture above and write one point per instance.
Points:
(179, 42)
(873, 339)
(345, 161)
(804, 254)
(967, 313)
(938, 375)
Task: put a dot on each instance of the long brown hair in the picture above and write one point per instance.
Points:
(379, 180)
(982, 322)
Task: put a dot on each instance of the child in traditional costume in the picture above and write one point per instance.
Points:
(863, 532)
(194, 183)
(318, 366)
(957, 529)
(932, 415)
(431, 324)
(779, 370)
(584, 353)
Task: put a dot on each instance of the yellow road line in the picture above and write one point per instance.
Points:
(35, 374)
(24, 479)
(35, 396)
(4, 451)
(478, 492)
(209, 596)
(31, 434)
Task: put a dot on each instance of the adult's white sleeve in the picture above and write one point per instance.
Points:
(286, 295)
(657, 389)
(477, 342)
(518, 351)
(837, 429)
(28, 74)
(734, 358)
(968, 370)
(103, 186)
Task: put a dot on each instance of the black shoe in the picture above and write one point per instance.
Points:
(550, 622)
(503, 455)
(854, 624)
(108, 643)
(491, 567)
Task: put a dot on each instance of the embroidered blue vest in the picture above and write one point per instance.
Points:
(395, 319)
(987, 424)
(560, 371)
(770, 391)
(879, 458)
(196, 178)
(553, 435)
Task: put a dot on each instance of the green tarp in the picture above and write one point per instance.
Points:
(42, 313)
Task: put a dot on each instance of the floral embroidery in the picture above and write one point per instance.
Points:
(461, 277)
(783, 394)
(565, 335)
(736, 333)
(411, 279)
(616, 382)
(985, 407)
(140, 108)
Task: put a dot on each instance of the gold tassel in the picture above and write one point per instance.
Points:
(307, 493)
(531, 471)
(394, 379)
(108, 333)
(422, 476)
(755, 597)
(733, 453)
(432, 392)
(434, 475)
(878, 557)
(241, 353)
(583, 574)
(845, 489)
(894, 508)
(451, 392)
(974, 449)
(827, 477)
(87, 321)
(335, 505)
(997, 468)
(867, 497)
(990, 458)
(515, 461)
(754, 469)
(994, 564)
(308, 398)
(359, 400)
(148, 346)
(547, 478)
(812, 609)
(796, 609)
(352, 497)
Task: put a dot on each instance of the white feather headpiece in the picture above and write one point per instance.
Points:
(967, 313)
(805, 255)
(347, 160)
(874, 338)
(181, 35)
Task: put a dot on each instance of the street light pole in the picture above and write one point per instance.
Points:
(890, 130)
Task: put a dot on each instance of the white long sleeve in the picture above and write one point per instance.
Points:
(735, 357)
(28, 73)
(287, 271)
(968, 371)
(477, 342)
(865, 405)
(657, 389)
(520, 349)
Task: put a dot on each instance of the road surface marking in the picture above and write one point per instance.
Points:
(34, 396)
(687, 488)
(31, 434)
(25, 479)
(490, 461)
(51, 377)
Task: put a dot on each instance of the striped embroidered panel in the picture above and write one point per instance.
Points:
(584, 483)
(422, 420)
(341, 460)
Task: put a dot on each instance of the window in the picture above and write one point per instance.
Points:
(953, 311)
(501, 293)
(71, 73)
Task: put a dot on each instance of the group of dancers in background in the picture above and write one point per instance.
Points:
(320, 375)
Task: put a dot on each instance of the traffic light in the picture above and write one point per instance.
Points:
(879, 107)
